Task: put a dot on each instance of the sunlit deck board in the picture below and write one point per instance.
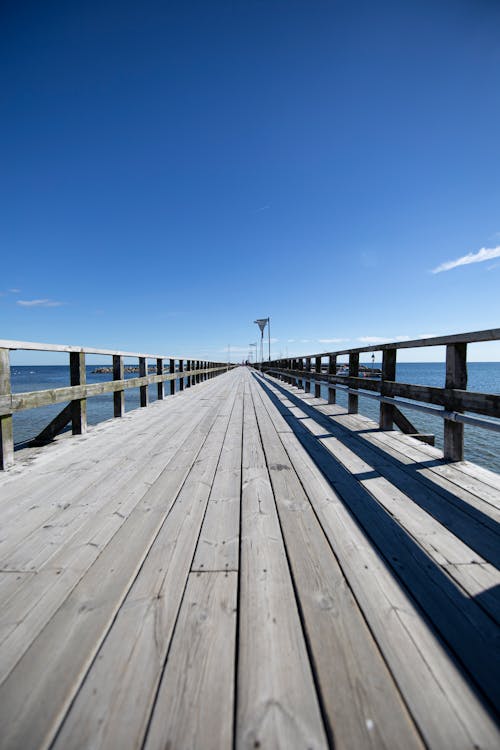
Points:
(221, 573)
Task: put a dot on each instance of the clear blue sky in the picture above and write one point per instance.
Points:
(173, 170)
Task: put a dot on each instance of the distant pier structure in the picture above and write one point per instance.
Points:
(245, 564)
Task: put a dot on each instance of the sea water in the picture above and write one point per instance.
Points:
(481, 446)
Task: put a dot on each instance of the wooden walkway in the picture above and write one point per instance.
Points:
(243, 565)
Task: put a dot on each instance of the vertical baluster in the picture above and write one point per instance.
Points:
(159, 371)
(6, 431)
(172, 372)
(181, 378)
(78, 376)
(317, 384)
(386, 419)
(118, 396)
(456, 378)
(308, 371)
(143, 389)
(332, 370)
(352, 406)
(188, 368)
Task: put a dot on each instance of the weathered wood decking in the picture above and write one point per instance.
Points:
(246, 565)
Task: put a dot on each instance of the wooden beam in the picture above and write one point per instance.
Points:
(159, 371)
(118, 396)
(332, 370)
(386, 417)
(456, 377)
(78, 376)
(181, 378)
(352, 404)
(6, 431)
(307, 388)
(317, 369)
(55, 427)
(143, 390)
(172, 372)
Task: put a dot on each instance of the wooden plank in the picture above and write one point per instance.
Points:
(114, 703)
(461, 621)
(445, 707)
(195, 702)
(218, 545)
(276, 699)
(29, 503)
(39, 598)
(361, 713)
(34, 699)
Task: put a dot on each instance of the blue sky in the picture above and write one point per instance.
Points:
(173, 170)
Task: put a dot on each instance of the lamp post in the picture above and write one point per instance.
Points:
(262, 322)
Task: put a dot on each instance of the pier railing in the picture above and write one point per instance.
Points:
(187, 372)
(449, 402)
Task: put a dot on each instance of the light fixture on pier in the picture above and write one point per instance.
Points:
(262, 322)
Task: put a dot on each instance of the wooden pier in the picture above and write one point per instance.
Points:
(245, 565)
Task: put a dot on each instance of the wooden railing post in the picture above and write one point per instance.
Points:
(300, 381)
(159, 371)
(6, 431)
(188, 369)
(118, 396)
(332, 370)
(172, 372)
(143, 388)
(307, 387)
(78, 376)
(181, 378)
(456, 377)
(386, 418)
(352, 404)
(317, 385)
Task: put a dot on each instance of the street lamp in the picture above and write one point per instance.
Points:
(262, 322)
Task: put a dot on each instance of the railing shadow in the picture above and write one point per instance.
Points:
(470, 635)
(476, 529)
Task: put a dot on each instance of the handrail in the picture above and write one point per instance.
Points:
(39, 347)
(454, 398)
(188, 372)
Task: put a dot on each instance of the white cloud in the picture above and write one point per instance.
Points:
(484, 254)
(14, 291)
(38, 303)
(331, 341)
(426, 335)
(291, 341)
